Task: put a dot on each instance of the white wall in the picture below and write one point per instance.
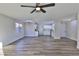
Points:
(1, 49)
(63, 29)
(71, 28)
(8, 31)
(60, 29)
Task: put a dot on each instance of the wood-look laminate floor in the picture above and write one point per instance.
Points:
(42, 46)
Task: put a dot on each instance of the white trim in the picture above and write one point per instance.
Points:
(56, 37)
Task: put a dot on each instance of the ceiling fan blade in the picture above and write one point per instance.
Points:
(43, 10)
(48, 5)
(33, 11)
(28, 6)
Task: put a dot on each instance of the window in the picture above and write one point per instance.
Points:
(47, 27)
(18, 27)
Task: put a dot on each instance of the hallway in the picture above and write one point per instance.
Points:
(42, 45)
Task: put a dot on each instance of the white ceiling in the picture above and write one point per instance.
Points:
(60, 11)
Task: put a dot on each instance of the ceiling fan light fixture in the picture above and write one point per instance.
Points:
(38, 8)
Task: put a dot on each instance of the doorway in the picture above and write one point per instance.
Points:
(47, 30)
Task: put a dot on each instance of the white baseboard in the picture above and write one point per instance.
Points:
(56, 37)
(72, 38)
(12, 41)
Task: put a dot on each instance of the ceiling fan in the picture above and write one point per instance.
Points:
(39, 7)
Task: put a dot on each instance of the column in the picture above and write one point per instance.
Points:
(78, 31)
(57, 31)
